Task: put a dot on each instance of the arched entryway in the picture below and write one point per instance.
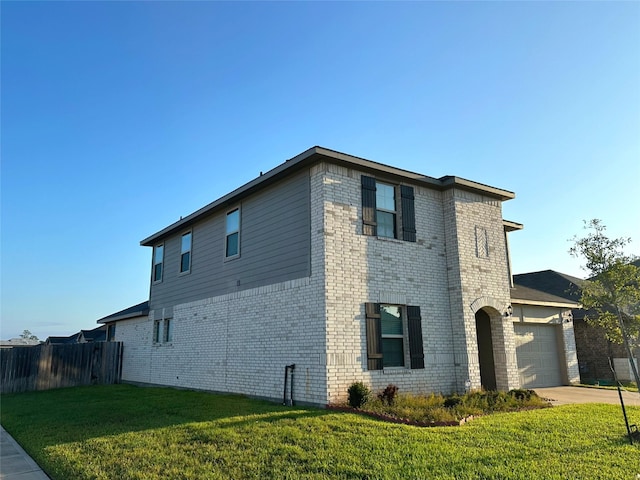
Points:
(485, 351)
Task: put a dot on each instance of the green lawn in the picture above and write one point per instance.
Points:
(124, 432)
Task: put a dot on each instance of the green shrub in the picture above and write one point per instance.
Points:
(522, 394)
(452, 401)
(437, 408)
(358, 394)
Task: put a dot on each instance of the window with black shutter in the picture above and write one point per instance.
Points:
(408, 214)
(369, 206)
(374, 336)
(386, 336)
(414, 322)
(380, 210)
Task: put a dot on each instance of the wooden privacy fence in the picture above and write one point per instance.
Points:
(44, 367)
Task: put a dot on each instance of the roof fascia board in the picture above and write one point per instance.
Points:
(510, 226)
(315, 154)
(518, 301)
(122, 317)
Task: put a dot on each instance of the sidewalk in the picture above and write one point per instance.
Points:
(15, 464)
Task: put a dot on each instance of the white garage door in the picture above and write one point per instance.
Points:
(537, 353)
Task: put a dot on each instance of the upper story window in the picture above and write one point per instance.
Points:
(383, 215)
(386, 210)
(158, 261)
(232, 237)
(185, 253)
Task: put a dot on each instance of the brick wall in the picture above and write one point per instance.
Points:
(479, 278)
(441, 273)
(594, 351)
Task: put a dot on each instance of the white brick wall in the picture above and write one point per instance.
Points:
(135, 334)
(441, 272)
(479, 282)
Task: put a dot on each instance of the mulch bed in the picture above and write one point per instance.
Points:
(404, 421)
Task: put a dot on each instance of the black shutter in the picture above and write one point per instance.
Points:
(415, 337)
(408, 214)
(369, 225)
(374, 336)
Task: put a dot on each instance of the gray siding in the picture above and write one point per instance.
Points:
(275, 246)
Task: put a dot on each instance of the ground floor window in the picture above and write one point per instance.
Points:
(168, 330)
(389, 329)
(156, 331)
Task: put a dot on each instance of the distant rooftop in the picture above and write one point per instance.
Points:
(139, 310)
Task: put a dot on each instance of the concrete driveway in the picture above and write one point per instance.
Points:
(566, 395)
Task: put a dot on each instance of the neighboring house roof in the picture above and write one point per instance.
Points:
(18, 342)
(320, 154)
(98, 334)
(139, 310)
(551, 282)
(531, 296)
(63, 340)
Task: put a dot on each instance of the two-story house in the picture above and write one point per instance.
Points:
(350, 269)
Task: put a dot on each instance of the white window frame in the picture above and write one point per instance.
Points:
(403, 335)
(154, 264)
(228, 233)
(167, 331)
(157, 331)
(394, 212)
(185, 252)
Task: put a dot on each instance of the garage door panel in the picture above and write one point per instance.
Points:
(538, 356)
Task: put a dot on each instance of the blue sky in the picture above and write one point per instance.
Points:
(120, 117)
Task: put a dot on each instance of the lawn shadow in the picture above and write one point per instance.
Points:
(81, 413)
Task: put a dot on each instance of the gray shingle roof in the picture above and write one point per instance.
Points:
(138, 310)
(551, 282)
(526, 294)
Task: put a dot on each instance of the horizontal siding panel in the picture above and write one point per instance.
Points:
(275, 246)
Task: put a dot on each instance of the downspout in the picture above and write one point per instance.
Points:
(284, 393)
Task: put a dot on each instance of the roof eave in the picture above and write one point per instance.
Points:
(510, 226)
(112, 319)
(539, 303)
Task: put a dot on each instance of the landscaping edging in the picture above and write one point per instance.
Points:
(404, 421)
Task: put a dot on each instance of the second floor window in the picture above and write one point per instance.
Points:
(158, 259)
(386, 210)
(232, 238)
(185, 253)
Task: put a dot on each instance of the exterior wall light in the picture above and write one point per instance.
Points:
(508, 312)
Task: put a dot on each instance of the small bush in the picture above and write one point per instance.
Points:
(452, 401)
(388, 395)
(358, 394)
(522, 394)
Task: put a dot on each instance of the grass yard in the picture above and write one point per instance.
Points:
(124, 432)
